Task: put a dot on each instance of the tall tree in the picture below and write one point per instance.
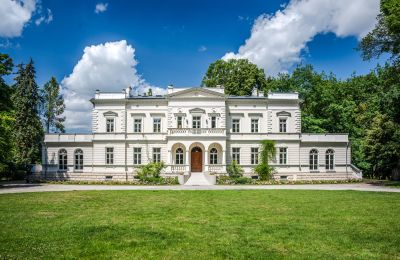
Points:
(385, 37)
(238, 76)
(53, 106)
(6, 66)
(27, 128)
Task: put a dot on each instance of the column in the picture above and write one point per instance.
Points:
(206, 161)
(223, 161)
(187, 166)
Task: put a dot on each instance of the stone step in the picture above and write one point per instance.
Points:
(197, 178)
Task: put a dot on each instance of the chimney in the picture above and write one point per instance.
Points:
(170, 89)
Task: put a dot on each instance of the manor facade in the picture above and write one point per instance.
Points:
(195, 131)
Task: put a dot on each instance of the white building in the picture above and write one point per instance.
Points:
(196, 132)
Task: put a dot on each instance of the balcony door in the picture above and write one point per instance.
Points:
(196, 162)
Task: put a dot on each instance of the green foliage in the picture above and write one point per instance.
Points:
(53, 106)
(6, 66)
(27, 128)
(150, 171)
(268, 153)
(385, 37)
(238, 76)
(150, 92)
(235, 170)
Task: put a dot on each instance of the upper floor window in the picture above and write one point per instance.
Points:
(254, 125)
(282, 155)
(157, 125)
(330, 160)
(235, 125)
(313, 160)
(196, 123)
(62, 160)
(110, 125)
(78, 159)
(282, 125)
(179, 156)
(213, 122)
(157, 155)
(137, 155)
(179, 122)
(213, 156)
(254, 155)
(109, 155)
(137, 125)
(236, 154)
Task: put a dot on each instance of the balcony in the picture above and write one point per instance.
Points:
(196, 131)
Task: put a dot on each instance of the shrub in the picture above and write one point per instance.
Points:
(150, 171)
(235, 170)
(264, 171)
(268, 152)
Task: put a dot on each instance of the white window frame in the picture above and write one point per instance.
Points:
(109, 155)
(254, 125)
(157, 126)
(254, 155)
(62, 160)
(213, 156)
(282, 125)
(213, 122)
(283, 155)
(235, 125)
(78, 159)
(137, 155)
(196, 122)
(330, 160)
(156, 154)
(179, 157)
(236, 154)
(314, 160)
(137, 120)
(179, 122)
(110, 124)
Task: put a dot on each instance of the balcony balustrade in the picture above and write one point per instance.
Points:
(196, 131)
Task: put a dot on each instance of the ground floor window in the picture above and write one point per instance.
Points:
(236, 154)
(329, 160)
(137, 155)
(62, 159)
(283, 155)
(213, 156)
(179, 156)
(157, 155)
(78, 159)
(254, 155)
(109, 155)
(313, 160)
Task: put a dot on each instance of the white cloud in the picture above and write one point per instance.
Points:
(277, 41)
(14, 15)
(45, 19)
(108, 67)
(202, 48)
(101, 7)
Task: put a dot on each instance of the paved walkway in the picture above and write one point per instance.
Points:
(19, 188)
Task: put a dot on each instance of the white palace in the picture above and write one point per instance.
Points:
(197, 132)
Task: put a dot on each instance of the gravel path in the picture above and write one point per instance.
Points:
(19, 188)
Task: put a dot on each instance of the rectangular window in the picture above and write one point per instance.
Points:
(157, 125)
(109, 155)
(137, 155)
(213, 122)
(254, 125)
(236, 155)
(196, 122)
(235, 125)
(179, 122)
(157, 155)
(254, 155)
(137, 125)
(282, 155)
(282, 125)
(110, 125)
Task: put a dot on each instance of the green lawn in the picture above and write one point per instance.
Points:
(200, 224)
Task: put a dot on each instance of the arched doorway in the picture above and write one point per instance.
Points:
(196, 162)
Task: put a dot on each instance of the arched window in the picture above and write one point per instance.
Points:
(62, 160)
(179, 156)
(313, 160)
(78, 159)
(213, 156)
(330, 160)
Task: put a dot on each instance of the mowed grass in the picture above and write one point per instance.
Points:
(200, 224)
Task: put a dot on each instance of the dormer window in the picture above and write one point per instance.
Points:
(110, 125)
(282, 125)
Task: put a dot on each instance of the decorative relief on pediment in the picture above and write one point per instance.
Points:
(197, 111)
(284, 113)
(110, 113)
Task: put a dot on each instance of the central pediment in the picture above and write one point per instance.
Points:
(196, 93)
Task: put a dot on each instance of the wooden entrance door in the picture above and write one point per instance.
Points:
(196, 161)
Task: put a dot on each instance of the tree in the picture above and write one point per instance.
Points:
(6, 66)
(238, 76)
(385, 37)
(53, 106)
(150, 92)
(268, 153)
(27, 129)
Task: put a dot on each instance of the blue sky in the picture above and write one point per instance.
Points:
(155, 43)
(168, 37)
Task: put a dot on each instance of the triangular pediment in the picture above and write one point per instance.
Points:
(196, 93)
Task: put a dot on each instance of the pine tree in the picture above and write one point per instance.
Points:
(28, 129)
(53, 106)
